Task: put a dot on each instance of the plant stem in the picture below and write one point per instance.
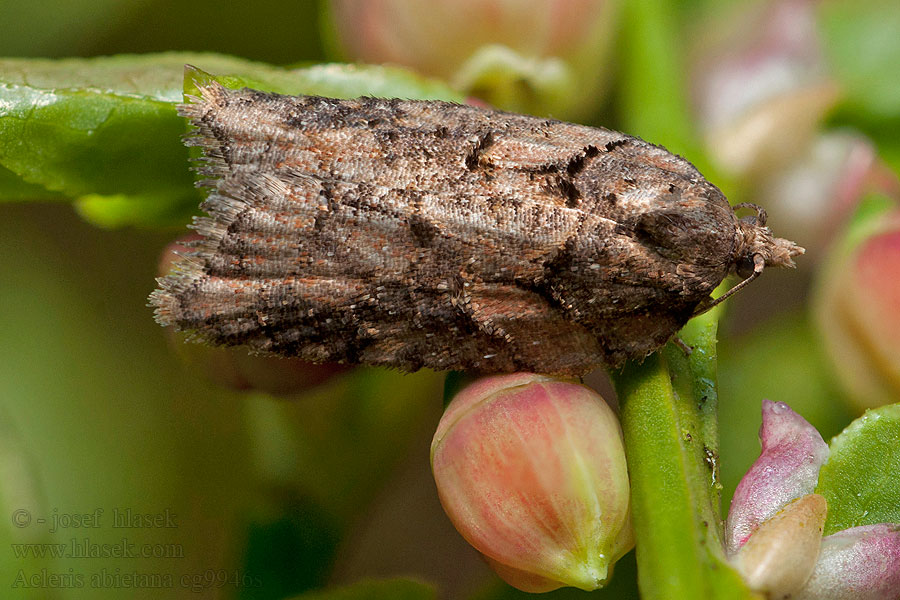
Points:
(668, 411)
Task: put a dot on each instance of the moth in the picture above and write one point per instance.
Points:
(416, 234)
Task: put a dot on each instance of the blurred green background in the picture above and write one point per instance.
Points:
(275, 495)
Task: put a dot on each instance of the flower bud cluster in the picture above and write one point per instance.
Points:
(775, 524)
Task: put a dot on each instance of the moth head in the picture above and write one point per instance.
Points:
(757, 248)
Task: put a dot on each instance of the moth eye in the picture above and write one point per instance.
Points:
(745, 266)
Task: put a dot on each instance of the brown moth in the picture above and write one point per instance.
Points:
(428, 234)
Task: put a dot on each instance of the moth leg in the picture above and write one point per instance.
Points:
(686, 348)
(761, 216)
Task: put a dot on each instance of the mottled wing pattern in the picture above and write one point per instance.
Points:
(427, 234)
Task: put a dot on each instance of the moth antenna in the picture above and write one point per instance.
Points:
(761, 215)
(759, 263)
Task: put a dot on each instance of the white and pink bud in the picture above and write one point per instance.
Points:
(780, 556)
(860, 563)
(760, 75)
(787, 468)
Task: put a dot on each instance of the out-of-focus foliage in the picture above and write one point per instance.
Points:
(333, 485)
(399, 589)
(542, 57)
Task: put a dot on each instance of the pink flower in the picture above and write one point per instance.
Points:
(788, 468)
(531, 471)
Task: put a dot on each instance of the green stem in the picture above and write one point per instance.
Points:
(668, 411)
(653, 97)
(668, 403)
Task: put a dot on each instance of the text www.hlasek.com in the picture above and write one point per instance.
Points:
(84, 548)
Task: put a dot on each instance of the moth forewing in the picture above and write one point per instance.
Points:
(428, 234)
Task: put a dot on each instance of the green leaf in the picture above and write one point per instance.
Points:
(338, 80)
(390, 589)
(668, 411)
(863, 45)
(77, 138)
(860, 478)
(105, 129)
(12, 187)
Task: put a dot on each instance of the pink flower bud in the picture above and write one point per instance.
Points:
(787, 468)
(860, 563)
(531, 471)
(857, 312)
(556, 50)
